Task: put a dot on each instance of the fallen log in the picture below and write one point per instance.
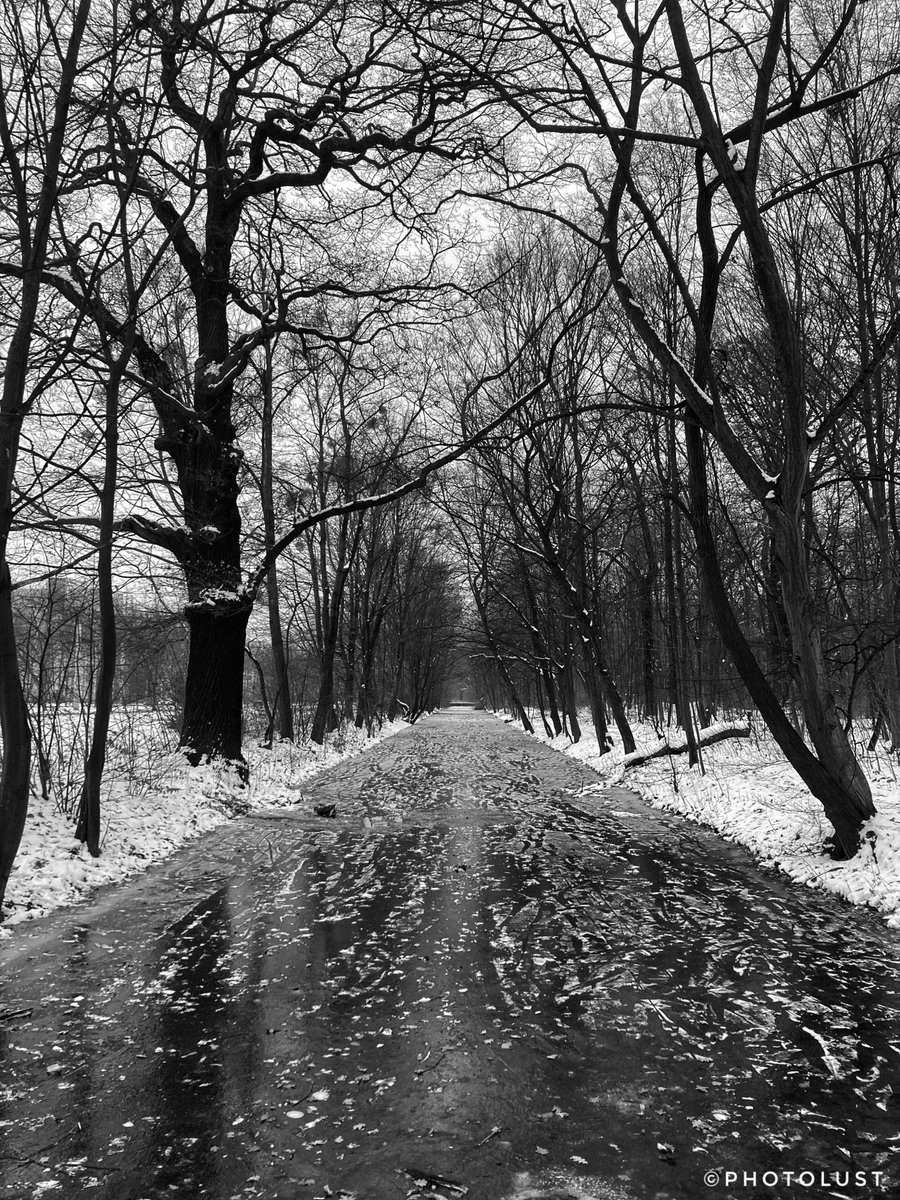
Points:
(716, 733)
(14, 1014)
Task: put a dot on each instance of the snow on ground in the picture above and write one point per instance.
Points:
(749, 794)
(148, 816)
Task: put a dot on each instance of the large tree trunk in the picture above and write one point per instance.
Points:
(825, 729)
(16, 735)
(208, 462)
(846, 809)
(217, 613)
(214, 689)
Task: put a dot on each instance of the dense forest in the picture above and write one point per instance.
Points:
(356, 351)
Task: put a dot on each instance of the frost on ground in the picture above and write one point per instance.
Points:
(750, 795)
(148, 815)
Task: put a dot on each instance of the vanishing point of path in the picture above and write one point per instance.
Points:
(486, 976)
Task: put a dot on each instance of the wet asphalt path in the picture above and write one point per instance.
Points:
(486, 970)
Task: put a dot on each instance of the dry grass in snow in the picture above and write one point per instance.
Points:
(149, 813)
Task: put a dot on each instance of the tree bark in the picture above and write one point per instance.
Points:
(34, 215)
(647, 593)
(284, 715)
(541, 651)
(325, 718)
(598, 713)
(214, 689)
(510, 688)
(846, 810)
(16, 734)
(825, 729)
(87, 829)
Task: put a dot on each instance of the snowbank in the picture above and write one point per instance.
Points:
(750, 795)
(145, 819)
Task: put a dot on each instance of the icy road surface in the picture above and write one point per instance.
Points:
(483, 977)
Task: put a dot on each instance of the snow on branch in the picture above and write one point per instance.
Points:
(706, 737)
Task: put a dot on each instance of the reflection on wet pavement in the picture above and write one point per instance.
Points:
(484, 977)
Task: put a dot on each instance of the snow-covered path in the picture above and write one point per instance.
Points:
(484, 976)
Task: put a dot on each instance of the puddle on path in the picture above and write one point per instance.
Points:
(497, 990)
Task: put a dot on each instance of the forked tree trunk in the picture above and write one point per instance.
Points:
(598, 713)
(541, 654)
(539, 692)
(325, 718)
(617, 708)
(552, 702)
(591, 634)
(568, 697)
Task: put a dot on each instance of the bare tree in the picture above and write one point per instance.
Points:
(604, 104)
(228, 147)
(37, 81)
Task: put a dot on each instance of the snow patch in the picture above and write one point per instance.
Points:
(750, 795)
(147, 819)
